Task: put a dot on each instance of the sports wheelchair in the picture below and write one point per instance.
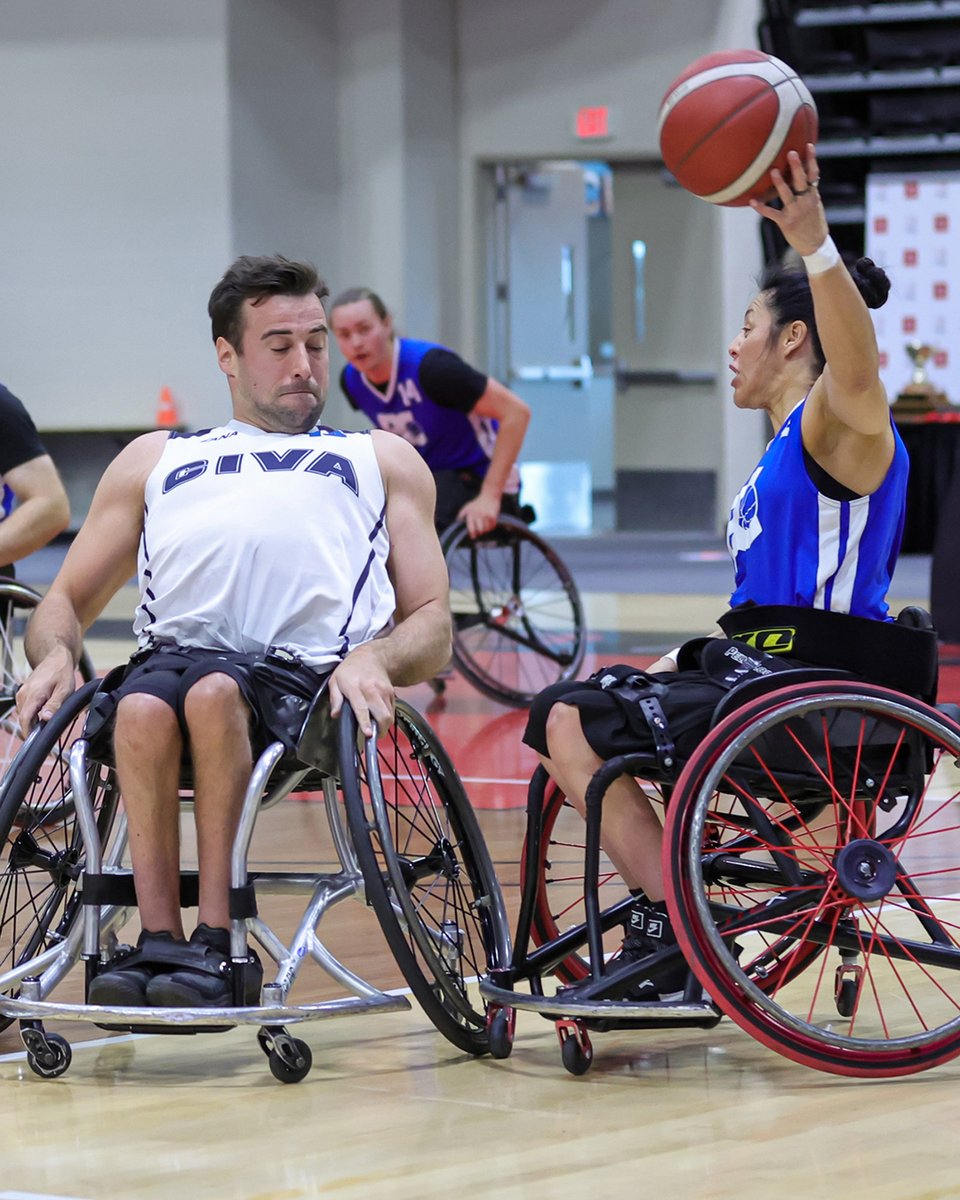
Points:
(401, 826)
(17, 602)
(811, 855)
(518, 621)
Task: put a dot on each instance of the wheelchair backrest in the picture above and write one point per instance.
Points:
(901, 654)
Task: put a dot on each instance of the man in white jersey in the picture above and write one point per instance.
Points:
(272, 555)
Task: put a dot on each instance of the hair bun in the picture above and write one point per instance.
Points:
(872, 282)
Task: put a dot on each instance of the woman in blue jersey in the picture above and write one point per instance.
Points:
(817, 525)
(468, 427)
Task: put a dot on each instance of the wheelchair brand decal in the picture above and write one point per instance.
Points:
(770, 641)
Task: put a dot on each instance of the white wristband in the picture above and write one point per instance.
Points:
(672, 655)
(823, 258)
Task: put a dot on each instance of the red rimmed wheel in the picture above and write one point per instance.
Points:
(814, 836)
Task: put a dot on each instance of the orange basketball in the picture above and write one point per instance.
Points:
(730, 117)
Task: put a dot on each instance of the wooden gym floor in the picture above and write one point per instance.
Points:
(392, 1110)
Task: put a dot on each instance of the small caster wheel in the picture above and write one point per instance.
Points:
(847, 998)
(49, 1056)
(575, 1057)
(500, 1031)
(290, 1060)
(846, 988)
(576, 1052)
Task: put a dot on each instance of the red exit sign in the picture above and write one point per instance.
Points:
(593, 122)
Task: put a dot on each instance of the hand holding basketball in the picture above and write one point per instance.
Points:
(731, 118)
(801, 218)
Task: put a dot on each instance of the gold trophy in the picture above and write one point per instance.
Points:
(920, 395)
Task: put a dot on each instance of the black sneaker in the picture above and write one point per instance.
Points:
(123, 980)
(646, 932)
(206, 981)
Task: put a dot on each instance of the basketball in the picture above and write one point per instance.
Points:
(730, 117)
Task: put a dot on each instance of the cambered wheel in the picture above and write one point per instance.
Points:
(17, 602)
(427, 871)
(818, 827)
(518, 621)
(41, 857)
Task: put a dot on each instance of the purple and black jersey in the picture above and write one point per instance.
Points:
(429, 401)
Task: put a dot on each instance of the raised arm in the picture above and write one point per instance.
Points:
(102, 558)
(418, 645)
(849, 389)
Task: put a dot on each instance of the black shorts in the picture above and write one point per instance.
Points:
(457, 488)
(279, 695)
(611, 725)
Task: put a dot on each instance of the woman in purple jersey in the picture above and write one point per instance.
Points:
(468, 427)
(807, 355)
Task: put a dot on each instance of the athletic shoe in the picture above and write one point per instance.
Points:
(123, 980)
(206, 981)
(646, 932)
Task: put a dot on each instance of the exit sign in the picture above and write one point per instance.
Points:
(594, 122)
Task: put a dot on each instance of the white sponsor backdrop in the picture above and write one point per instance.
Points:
(913, 232)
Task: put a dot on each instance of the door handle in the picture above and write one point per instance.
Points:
(579, 372)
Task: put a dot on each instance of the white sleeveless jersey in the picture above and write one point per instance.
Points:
(255, 540)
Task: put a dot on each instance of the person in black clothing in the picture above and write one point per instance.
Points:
(33, 506)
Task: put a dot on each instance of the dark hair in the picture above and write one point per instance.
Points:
(255, 277)
(355, 294)
(786, 291)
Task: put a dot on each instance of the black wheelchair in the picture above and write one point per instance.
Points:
(811, 856)
(518, 621)
(401, 826)
(17, 602)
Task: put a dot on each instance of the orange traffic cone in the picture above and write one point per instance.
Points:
(168, 415)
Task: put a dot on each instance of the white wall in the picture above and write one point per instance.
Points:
(153, 142)
(115, 205)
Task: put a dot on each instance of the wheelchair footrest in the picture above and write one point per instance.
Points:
(608, 1013)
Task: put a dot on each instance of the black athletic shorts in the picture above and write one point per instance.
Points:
(278, 690)
(611, 724)
(457, 488)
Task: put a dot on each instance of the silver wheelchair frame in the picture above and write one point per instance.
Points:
(430, 962)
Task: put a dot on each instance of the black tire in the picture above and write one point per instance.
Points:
(576, 1058)
(291, 1069)
(518, 621)
(50, 1055)
(17, 602)
(41, 857)
(816, 827)
(427, 871)
(500, 1028)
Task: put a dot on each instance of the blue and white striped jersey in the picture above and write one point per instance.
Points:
(793, 545)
